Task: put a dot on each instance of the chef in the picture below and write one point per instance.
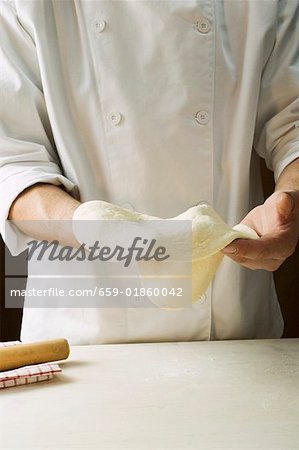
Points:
(154, 106)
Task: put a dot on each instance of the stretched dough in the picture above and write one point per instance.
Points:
(210, 234)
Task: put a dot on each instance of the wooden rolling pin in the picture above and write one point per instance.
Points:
(15, 356)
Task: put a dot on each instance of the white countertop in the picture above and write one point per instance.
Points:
(197, 395)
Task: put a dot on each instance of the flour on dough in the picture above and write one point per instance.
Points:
(210, 234)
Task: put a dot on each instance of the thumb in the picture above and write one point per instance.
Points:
(285, 204)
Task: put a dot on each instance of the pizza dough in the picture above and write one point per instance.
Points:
(210, 234)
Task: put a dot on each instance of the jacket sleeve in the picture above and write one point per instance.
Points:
(27, 148)
(277, 126)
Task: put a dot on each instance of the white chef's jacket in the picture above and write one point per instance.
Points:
(157, 105)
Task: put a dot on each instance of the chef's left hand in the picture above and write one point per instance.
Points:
(277, 223)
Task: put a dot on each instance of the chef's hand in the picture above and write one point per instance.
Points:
(277, 223)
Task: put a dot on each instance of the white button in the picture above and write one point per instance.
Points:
(202, 25)
(128, 206)
(99, 26)
(203, 298)
(115, 118)
(202, 117)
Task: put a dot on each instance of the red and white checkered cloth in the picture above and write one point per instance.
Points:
(28, 374)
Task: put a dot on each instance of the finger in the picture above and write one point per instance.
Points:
(268, 264)
(267, 247)
(285, 204)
